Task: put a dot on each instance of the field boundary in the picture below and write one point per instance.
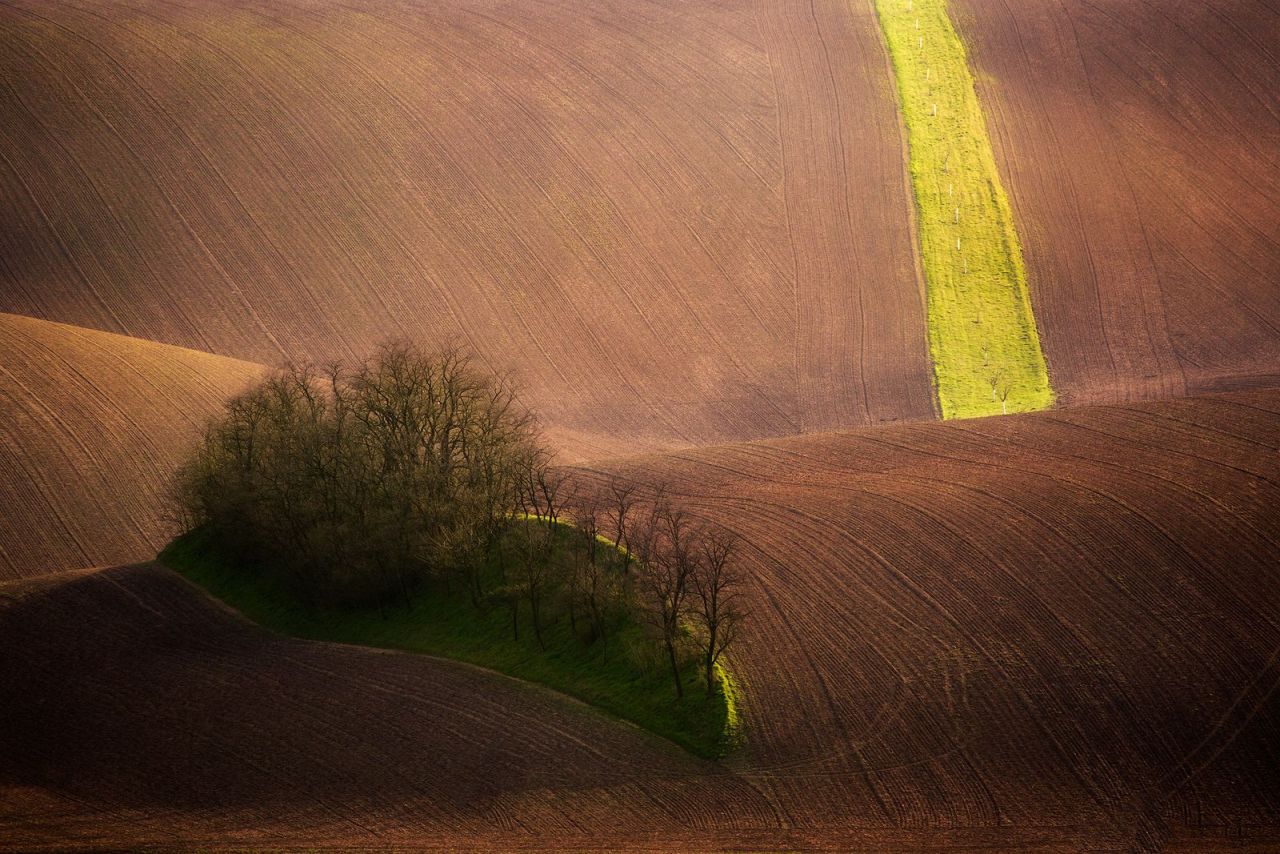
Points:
(983, 340)
(709, 727)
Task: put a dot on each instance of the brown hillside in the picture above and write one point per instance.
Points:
(1050, 631)
(1140, 142)
(1013, 621)
(683, 222)
(93, 426)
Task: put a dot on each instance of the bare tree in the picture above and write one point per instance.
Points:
(356, 484)
(716, 587)
(622, 498)
(593, 573)
(540, 495)
(666, 546)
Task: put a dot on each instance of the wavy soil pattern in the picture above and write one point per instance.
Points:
(687, 228)
(1140, 142)
(686, 223)
(94, 425)
(1047, 631)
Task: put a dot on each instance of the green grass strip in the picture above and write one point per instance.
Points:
(982, 333)
(624, 675)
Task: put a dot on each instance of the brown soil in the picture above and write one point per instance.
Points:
(682, 223)
(1140, 142)
(1052, 630)
(93, 426)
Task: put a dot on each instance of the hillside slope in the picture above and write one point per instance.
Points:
(1065, 616)
(693, 226)
(93, 426)
(1040, 632)
(1140, 142)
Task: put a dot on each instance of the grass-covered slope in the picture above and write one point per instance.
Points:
(622, 674)
(982, 333)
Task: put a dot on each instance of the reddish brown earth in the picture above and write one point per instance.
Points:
(93, 426)
(1053, 630)
(685, 224)
(1013, 621)
(682, 222)
(1140, 143)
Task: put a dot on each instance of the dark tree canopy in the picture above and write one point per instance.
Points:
(359, 482)
(363, 484)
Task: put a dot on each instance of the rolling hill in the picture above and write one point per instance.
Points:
(1053, 629)
(94, 425)
(1141, 145)
(689, 228)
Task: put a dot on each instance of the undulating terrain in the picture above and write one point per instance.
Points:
(1141, 146)
(688, 227)
(1055, 628)
(94, 425)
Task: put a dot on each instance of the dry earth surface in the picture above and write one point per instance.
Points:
(682, 222)
(685, 224)
(93, 426)
(1052, 630)
(1140, 142)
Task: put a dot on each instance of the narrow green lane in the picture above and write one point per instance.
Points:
(982, 333)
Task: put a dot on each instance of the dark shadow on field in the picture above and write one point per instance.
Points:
(129, 688)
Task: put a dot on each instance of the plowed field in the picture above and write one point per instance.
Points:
(1140, 142)
(1051, 630)
(681, 222)
(687, 225)
(93, 426)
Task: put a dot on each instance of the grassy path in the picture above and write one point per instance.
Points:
(982, 333)
(622, 675)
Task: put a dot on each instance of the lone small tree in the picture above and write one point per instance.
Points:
(591, 575)
(666, 550)
(622, 498)
(716, 587)
(539, 497)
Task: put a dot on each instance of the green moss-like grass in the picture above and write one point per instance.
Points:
(623, 675)
(981, 326)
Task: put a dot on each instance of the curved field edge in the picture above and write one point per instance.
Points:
(602, 675)
(982, 332)
(93, 426)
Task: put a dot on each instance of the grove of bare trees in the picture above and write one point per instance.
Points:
(417, 473)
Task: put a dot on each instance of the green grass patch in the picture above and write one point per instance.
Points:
(624, 675)
(982, 333)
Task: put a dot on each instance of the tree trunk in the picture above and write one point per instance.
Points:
(515, 618)
(537, 624)
(404, 591)
(675, 669)
(477, 587)
(711, 662)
